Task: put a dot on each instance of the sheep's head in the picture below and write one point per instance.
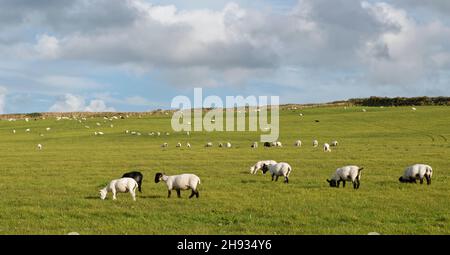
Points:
(265, 168)
(158, 177)
(103, 194)
(333, 183)
(401, 179)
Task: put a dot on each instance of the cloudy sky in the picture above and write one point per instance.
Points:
(136, 55)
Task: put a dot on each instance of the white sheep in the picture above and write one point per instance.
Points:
(255, 145)
(209, 144)
(27, 130)
(417, 171)
(228, 145)
(48, 129)
(39, 146)
(254, 169)
(127, 131)
(178, 145)
(315, 143)
(188, 145)
(277, 170)
(179, 182)
(122, 185)
(326, 147)
(14, 131)
(346, 173)
(298, 143)
(165, 145)
(334, 143)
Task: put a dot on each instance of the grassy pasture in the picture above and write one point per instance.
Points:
(55, 191)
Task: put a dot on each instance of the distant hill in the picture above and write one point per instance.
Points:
(371, 101)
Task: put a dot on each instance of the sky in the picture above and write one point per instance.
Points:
(137, 55)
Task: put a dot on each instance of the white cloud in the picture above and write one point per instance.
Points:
(47, 47)
(74, 103)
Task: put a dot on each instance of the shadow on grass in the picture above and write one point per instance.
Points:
(92, 197)
(151, 197)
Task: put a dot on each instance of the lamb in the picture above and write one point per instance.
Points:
(137, 176)
(417, 171)
(122, 185)
(346, 173)
(254, 169)
(277, 170)
(315, 143)
(179, 182)
(326, 147)
(298, 143)
(334, 143)
(255, 145)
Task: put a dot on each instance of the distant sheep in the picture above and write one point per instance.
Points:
(326, 147)
(298, 143)
(267, 144)
(165, 145)
(179, 182)
(209, 144)
(220, 145)
(417, 171)
(255, 145)
(178, 145)
(228, 145)
(39, 146)
(315, 143)
(346, 173)
(137, 176)
(277, 170)
(27, 130)
(254, 169)
(188, 145)
(122, 185)
(334, 143)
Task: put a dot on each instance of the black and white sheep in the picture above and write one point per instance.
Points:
(254, 169)
(277, 170)
(298, 143)
(346, 173)
(255, 145)
(122, 185)
(417, 171)
(180, 182)
(137, 176)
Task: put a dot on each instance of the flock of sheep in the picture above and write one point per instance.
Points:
(133, 180)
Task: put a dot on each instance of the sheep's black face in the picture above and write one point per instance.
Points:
(265, 168)
(332, 183)
(158, 177)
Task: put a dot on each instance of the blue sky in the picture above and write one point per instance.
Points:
(136, 55)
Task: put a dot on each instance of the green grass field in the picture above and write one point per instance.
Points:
(55, 191)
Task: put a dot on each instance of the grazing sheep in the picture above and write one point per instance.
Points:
(277, 170)
(178, 145)
(267, 144)
(188, 145)
(39, 146)
(364, 110)
(417, 171)
(26, 119)
(220, 145)
(334, 143)
(254, 169)
(98, 124)
(326, 147)
(346, 173)
(277, 144)
(48, 129)
(228, 145)
(137, 176)
(298, 143)
(315, 143)
(414, 108)
(179, 182)
(165, 145)
(209, 144)
(14, 131)
(27, 130)
(127, 131)
(255, 145)
(122, 185)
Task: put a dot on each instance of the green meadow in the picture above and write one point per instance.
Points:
(55, 190)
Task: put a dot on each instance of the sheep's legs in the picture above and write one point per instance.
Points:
(178, 193)
(133, 195)
(421, 180)
(194, 193)
(139, 186)
(114, 194)
(273, 175)
(276, 178)
(343, 184)
(169, 192)
(286, 179)
(428, 179)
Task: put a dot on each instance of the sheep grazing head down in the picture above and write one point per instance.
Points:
(158, 177)
(333, 183)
